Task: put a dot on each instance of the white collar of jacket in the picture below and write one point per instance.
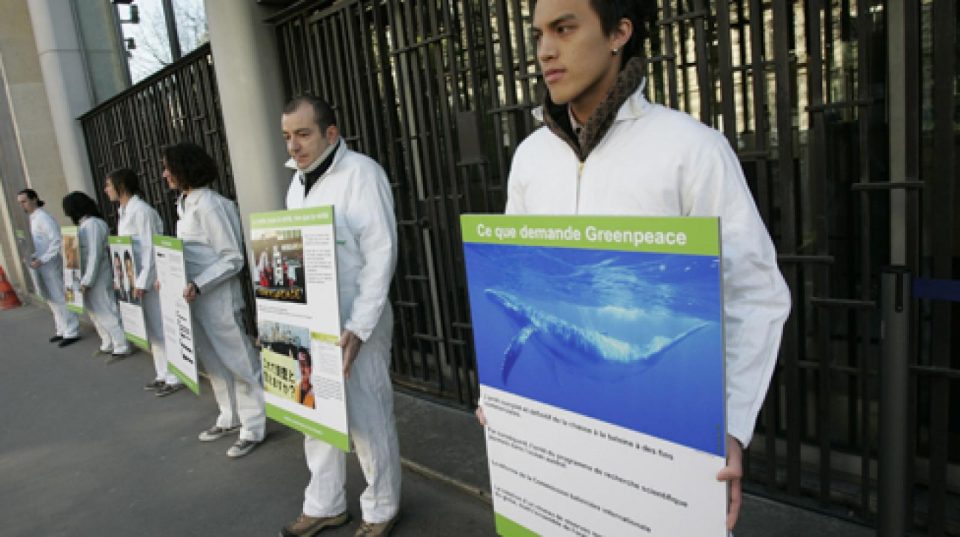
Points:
(292, 164)
(133, 201)
(337, 157)
(633, 108)
(193, 197)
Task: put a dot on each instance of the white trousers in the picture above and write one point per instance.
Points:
(100, 303)
(231, 361)
(66, 321)
(153, 318)
(373, 431)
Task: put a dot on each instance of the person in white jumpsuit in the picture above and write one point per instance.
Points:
(139, 221)
(605, 150)
(328, 173)
(96, 279)
(48, 262)
(209, 226)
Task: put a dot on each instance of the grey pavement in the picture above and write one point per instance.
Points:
(85, 451)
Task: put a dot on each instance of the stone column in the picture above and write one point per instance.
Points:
(68, 87)
(251, 98)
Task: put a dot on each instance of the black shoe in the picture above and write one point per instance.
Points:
(68, 341)
(154, 385)
(167, 389)
(55, 339)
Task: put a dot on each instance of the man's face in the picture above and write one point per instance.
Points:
(305, 142)
(172, 182)
(304, 367)
(28, 205)
(110, 190)
(574, 53)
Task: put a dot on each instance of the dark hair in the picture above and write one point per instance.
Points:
(642, 13)
(77, 205)
(31, 194)
(190, 165)
(306, 352)
(323, 114)
(125, 181)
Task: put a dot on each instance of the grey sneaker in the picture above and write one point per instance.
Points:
(167, 389)
(307, 526)
(376, 529)
(241, 447)
(216, 433)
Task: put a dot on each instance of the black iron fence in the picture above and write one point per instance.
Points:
(439, 92)
(179, 103)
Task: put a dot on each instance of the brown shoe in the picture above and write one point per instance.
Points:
(376, 529)
(307, 526)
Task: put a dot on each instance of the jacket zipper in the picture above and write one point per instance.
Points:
(576, 209)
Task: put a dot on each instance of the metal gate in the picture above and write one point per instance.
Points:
(439, 92)
(179, 103)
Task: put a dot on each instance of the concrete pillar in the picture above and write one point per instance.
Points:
(69, 90)
(251, 99)
(29, 151)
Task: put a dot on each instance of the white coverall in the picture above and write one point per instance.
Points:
(46, 246)
(139, 221)
(209, 225)
(99, 299)
(655, 161)
(366, 233)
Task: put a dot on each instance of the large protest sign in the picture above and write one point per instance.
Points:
(125, 271)
(178, 342)
(295, 282)
(599, 346)
(72, 268)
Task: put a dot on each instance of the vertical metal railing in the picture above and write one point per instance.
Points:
(439, 92)
(177, 104)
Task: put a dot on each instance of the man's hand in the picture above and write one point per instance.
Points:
(190, 292)
(139, 292)
(481, 417)
(156, 285)
(350, 344)
(35, 263)
(732, 474)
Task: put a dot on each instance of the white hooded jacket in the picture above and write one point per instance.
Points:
(366, 233)
(140, 222)
(654, 161)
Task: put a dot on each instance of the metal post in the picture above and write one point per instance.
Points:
(894, 478)
(172, 36)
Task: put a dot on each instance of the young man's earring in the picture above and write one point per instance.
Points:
(615, 52)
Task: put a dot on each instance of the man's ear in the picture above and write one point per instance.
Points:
(331, 134)
(621, 34)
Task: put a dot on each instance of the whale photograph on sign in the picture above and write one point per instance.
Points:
(604, 334)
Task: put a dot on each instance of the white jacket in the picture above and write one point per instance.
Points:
(655, 161)
(139, 221)
(93, 233)
(366, 232)
(47, 242)
(46, 236)
(209, 226)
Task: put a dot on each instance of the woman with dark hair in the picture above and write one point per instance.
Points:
(96, 280)
(139, 221)
(209, 226)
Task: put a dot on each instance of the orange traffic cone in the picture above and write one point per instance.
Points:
(8, 298)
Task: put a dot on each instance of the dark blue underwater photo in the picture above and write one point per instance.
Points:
(630, 338)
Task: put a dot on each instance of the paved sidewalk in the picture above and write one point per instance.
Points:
(84, 451)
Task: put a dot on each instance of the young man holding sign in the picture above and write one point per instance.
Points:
(328, 173)
(606, 150)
